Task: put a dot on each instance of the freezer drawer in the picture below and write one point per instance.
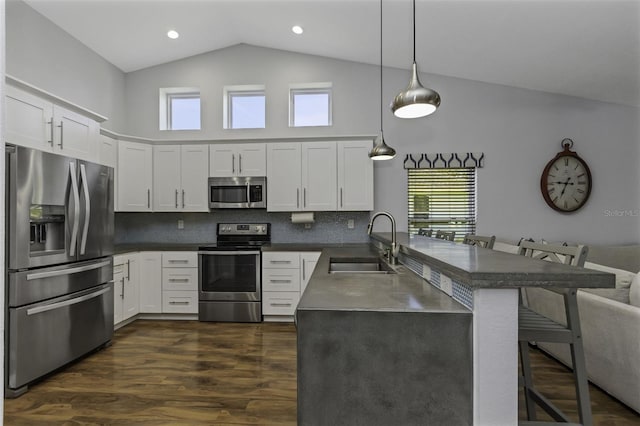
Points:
(35, 285)
(45, 336)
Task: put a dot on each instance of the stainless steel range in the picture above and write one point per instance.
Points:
(229, 275)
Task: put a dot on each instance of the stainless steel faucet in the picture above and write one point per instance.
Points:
(392, 255)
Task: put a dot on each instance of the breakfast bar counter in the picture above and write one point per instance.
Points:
(433, 342)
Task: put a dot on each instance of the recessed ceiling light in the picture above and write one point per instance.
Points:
(297, 29)
(173, 34)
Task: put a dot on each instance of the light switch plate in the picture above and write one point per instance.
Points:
(180, 224)
(446, 284)
(426, 272)
(351, 224)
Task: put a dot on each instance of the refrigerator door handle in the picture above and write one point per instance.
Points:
(76, 209)
(87, 207)
(52, 306)
(68, 271)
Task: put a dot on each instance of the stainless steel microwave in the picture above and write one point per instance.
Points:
(248, 192)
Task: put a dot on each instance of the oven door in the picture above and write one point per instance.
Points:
(229, 275)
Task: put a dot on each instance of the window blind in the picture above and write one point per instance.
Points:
(442, 199)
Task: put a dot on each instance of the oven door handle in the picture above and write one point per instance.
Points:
(229, 253)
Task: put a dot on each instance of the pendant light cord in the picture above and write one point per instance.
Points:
(414, 31)
(381, 67)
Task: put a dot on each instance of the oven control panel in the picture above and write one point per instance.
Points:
(243, 229)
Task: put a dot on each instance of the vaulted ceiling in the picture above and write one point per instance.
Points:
(584, 48)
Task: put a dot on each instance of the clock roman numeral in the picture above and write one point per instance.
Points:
(581, 191)
(566, 161)
(580, 175)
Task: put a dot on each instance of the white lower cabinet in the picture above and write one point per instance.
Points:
(126, 285)
(284, 277)
(150, 282)
(180, 282)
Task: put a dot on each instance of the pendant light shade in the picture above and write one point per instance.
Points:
(416, 100)
(381, 151)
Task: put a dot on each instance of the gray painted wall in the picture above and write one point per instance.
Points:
(42, 54)
(519, 130)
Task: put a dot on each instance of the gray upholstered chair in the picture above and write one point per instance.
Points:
(534, 327)
(479, 240)
(425, 232)
(446, 235)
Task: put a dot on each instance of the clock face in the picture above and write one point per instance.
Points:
(566, 182)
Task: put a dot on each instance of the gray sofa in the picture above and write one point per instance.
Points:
(610, 321)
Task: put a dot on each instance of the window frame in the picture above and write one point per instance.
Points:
(165, 111)
(310, 89)
(466, 223)
(230, 92)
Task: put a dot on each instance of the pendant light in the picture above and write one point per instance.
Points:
(381, 151)
(416, 100)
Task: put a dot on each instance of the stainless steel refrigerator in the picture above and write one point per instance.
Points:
(59, 246)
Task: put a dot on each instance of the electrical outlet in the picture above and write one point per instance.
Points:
(180, 224)
(351, 224)
(307, 226)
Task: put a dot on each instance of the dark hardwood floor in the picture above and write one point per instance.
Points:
(192, 373)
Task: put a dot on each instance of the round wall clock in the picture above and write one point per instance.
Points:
(566, 180)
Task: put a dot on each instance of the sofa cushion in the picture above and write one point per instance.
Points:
(634, 291)
(623, 278)
(618, 294)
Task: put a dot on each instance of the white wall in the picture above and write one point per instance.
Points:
(519, 131)
(45, 56)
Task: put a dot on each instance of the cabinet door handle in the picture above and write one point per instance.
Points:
(280, 304)
(61, 134)
(178, 303)
(304, 197)
(176, 198)
(128, 270)
(341, 205)
(279, 261)
(50, 123)
(280, 281)
(148, 198)
(183, 198)
(240, 163)
(178, 261)
(297, 197)
(179, 280)
(303, 273)
(122, 292)
(233, 163)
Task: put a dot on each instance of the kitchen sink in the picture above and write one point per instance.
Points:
(360, 265)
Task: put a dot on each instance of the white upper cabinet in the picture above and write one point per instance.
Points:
(28, 120)
(108, 151)
(38, 123)
(284, 175)
(319, 191)
(229, 160)
(180, 178)
(134, 176)
(355, 176)
(303, 176)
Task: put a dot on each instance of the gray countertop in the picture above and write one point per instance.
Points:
(304, 246)
(400, 292)
(485, 268)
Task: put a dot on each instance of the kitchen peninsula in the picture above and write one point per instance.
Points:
(396, 349)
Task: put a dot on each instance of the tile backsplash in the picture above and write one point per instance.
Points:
(200, 228)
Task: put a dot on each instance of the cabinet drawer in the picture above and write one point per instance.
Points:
(281, 280)
(180, 259)
(180, 279)
(281, 259)
(279, 303)
(180, 302)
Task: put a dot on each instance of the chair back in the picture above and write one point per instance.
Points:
(479, 240)
(446, 235)
(425, 232)
(569, 255)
